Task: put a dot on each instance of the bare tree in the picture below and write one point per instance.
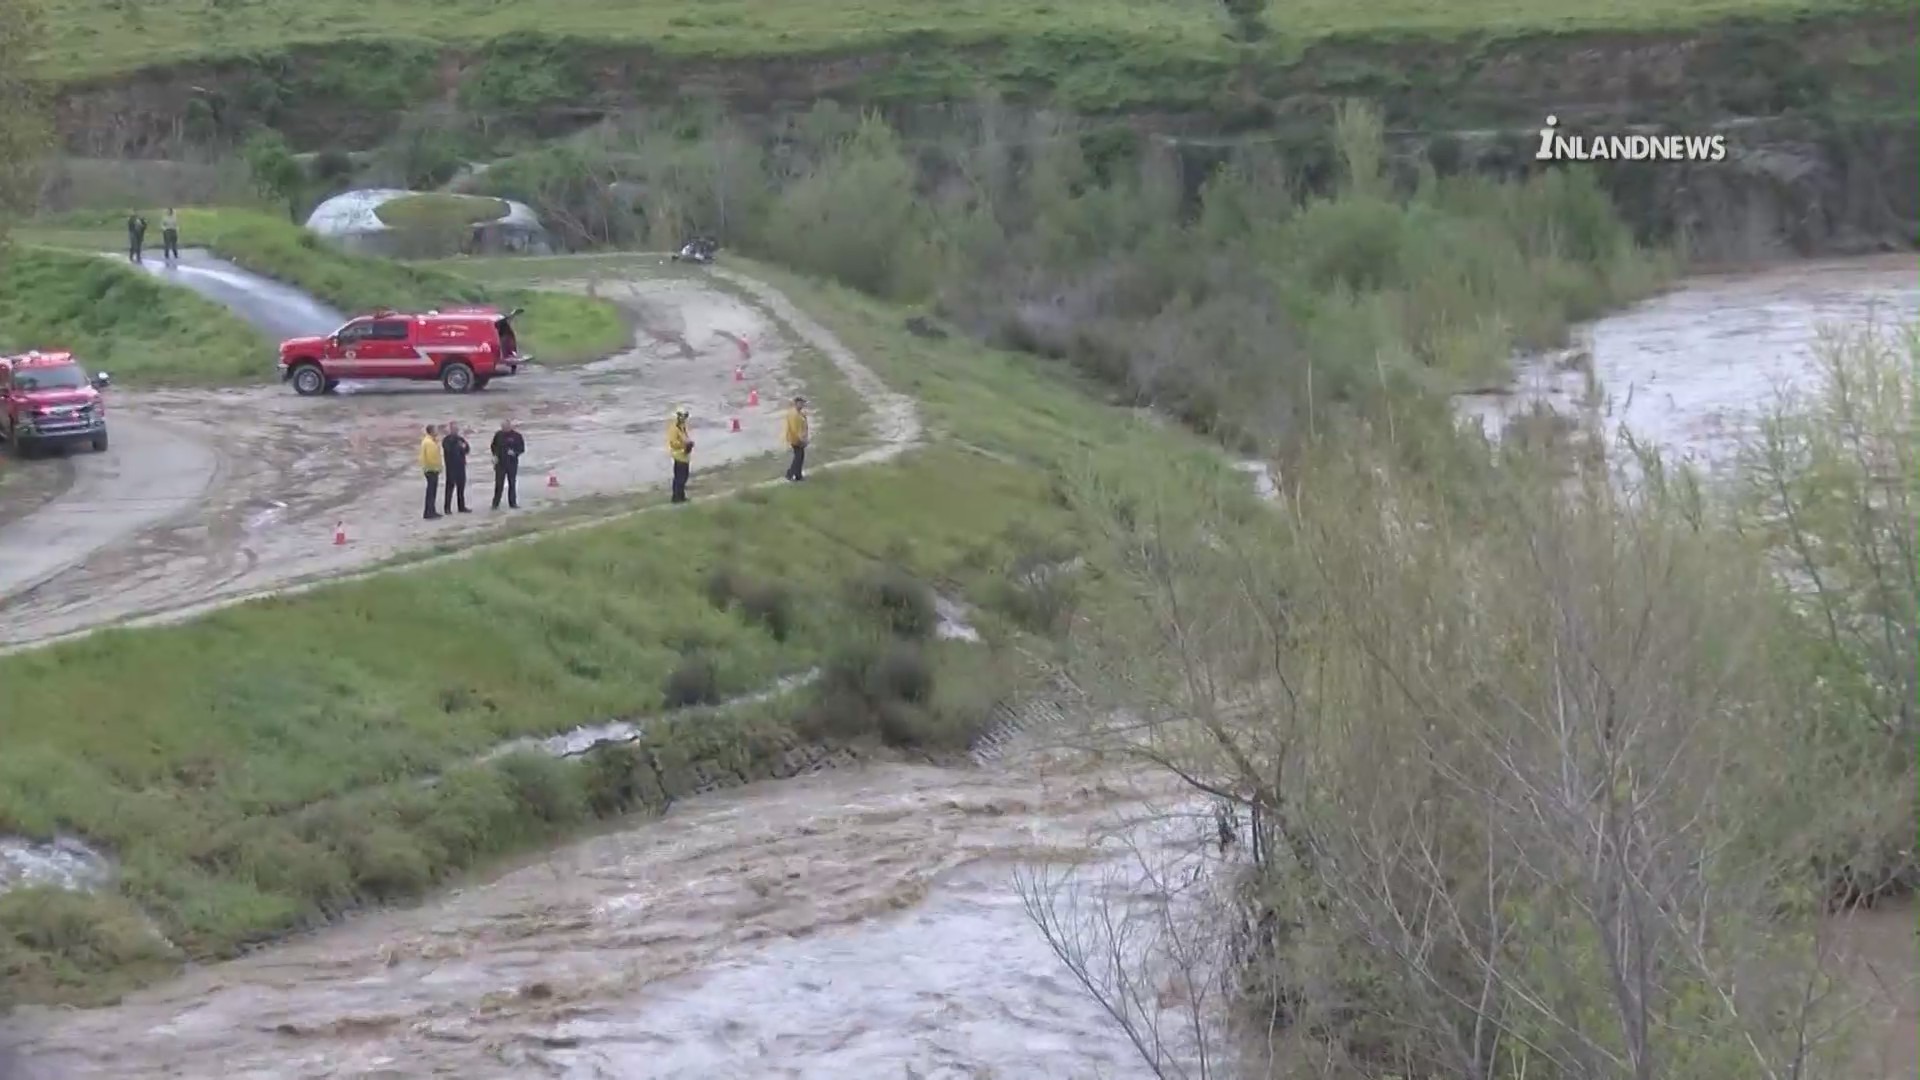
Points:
(1529, 793)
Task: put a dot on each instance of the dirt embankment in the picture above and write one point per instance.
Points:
(1738, 69)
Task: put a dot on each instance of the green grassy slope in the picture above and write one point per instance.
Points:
(120, 320)
(557, 328)
(103, 37)
(250, 783)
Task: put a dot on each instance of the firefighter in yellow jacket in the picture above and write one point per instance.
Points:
(430, 464)
(798, 430)
(680, 446)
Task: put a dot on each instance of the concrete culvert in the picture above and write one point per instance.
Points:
(395, 223)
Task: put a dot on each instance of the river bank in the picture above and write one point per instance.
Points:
(870, 919)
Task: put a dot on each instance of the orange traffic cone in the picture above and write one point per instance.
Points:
(736, 424)
(553, 480)
(753, 397)
(340, 534)
(740, 374)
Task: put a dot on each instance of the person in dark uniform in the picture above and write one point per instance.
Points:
(507, 448)
(454, 449)
(136, 235)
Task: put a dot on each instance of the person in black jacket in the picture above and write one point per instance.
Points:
(454, 450)
(507, 448)
(136, 236)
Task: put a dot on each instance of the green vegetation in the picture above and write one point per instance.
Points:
(98, 37)
(221, 761)
(123, 321)
(439, 211)
(557, 328)
(1487, 719)
(250, 784)
(1242, 316)
(24, 131)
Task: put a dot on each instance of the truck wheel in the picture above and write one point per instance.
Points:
(457, 378)
(309, 380)
(480, 383)
(100, 443)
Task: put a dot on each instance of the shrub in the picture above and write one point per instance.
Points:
(770, 604)
(722, 587)
(545, 786)
(900, 672)
(54, 940)
(695, 682)
(619, 779)
(896, 600)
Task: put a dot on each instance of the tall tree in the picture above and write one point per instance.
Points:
(24, 128)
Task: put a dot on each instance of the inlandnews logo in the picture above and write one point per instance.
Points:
(1557, 147)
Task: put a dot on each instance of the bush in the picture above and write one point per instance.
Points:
(900, 672)
(619, 779)
(545, 786)
(695, 682)
(894, 600)
(722, 587)
(54, 942)
(770, 604)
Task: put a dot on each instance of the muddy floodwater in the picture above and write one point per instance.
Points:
(863, 923)
(857, 923)
(1690, 371)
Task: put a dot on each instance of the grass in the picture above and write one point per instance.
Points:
(438, 211)
(120, 320)
(105, 37)
(557, 328)
(251, 783)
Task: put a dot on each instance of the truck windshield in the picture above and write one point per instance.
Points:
(51, 377)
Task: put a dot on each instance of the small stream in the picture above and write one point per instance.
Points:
(864, 922)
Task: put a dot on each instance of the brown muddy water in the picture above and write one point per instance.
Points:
(867, 923)
(858, 923)
(1689, 371)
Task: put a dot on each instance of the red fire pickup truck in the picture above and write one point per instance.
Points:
(463, 348)
(46, 399)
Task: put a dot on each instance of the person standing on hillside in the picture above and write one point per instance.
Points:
(798, 429)
(170, 236)
(680, 448)
(454, 449)
(507, 447)
(430, 464)
(136, 235)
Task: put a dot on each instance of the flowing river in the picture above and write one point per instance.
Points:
(865, 922)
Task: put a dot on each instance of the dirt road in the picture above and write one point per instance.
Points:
(216, 496)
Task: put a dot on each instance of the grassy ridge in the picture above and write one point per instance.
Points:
(198, 763)
(251, 783)
(104, 37)
(122, 321)
(557, 328)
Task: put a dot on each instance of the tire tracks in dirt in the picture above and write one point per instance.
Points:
(894, 423)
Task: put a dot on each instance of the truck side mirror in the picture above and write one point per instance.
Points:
(102, 380)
